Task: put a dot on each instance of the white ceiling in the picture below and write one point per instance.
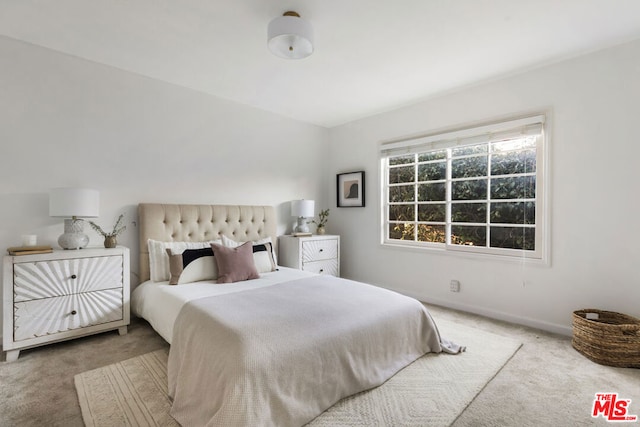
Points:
(370, 55)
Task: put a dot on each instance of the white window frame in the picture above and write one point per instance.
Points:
(525, 126)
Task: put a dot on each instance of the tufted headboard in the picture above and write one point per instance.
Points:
(198, 223)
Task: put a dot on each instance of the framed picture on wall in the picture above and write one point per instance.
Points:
(350, 189)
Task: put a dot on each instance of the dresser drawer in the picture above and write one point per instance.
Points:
(317, 250)
(52, 278)
(329, 266)
(46, 316)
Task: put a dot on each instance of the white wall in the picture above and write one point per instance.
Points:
(69, 122)
(594, 102)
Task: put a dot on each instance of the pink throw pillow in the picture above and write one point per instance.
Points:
(235, 264)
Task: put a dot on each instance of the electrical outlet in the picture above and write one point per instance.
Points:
(454, 286)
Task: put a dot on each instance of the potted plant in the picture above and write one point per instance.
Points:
(323, 217)
(110, 238)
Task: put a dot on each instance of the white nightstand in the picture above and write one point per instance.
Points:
(318, 254)
(63, 295)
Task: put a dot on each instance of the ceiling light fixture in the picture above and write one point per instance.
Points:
(290, 36)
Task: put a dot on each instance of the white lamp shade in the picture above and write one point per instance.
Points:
(70, 202)
(302, 208)
(290, 37)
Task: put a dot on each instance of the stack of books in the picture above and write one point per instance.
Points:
(29, 250)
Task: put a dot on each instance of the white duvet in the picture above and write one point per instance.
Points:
(159, 303)
(279, 350)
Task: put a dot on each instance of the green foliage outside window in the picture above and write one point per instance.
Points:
(490, 190)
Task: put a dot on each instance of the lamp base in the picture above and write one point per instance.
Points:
(302, 226)
(73, 236)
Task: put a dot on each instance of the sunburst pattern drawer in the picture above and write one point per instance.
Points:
(316, 250)
(48, 316)
(44, 279)
(329, 266)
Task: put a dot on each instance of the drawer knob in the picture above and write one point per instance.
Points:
(322, 270)
(321, 250)
(73, 312)
(73, 276)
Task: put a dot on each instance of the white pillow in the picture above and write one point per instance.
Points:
(264, 258)
(159, 260)
(192, 265)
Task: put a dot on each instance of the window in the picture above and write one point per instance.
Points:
(476, 190)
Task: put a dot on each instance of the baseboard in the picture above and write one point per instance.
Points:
(493, 314)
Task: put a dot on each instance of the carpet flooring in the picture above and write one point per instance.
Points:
(432, 391)
(546, 383)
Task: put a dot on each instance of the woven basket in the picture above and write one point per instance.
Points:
(612, 339)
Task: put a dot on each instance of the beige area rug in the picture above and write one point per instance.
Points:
(432, 391)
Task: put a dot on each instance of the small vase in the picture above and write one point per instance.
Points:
(320, 231)
(110, 242)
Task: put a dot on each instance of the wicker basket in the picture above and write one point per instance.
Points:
(612, 339)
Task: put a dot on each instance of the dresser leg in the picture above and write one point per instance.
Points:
(122, 330)
(12, 355)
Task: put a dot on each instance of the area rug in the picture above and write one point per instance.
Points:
(432, 391)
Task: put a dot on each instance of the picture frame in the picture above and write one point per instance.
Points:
(350, 189)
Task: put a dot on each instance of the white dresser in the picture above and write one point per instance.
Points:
(63, 295)
(318, 254)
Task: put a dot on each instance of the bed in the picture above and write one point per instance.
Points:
(276, 350)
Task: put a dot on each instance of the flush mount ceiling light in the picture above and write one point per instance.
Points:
(290, 36)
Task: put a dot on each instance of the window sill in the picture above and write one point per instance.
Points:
(442, 251)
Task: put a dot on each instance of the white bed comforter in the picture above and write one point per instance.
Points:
(280, 355)
(159, 302)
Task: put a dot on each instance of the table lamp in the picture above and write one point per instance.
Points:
(302, 209)
(76, 203)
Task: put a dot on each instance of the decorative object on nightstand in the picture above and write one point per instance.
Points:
(110, 239)
(29, 250)
(317, 254)
(76, 203)
(302, 209)
(63, 295)
(323, 218)
(29, 240)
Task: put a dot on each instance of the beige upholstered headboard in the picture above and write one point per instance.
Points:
(198, 223)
